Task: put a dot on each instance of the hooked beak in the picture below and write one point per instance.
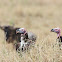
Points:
(52, 30)
(19, 31)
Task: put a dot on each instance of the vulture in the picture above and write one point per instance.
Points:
(27, 39)
(23, 45)
(28, 35)
(59, 37)
(10, 34)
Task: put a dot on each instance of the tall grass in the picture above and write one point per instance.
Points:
(39, 19)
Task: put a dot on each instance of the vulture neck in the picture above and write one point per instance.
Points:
(22, 42)
(58, 35)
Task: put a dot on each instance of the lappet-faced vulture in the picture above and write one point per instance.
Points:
(27, 38)
(59, 37)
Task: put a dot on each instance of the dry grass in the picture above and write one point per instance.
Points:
(38, 16)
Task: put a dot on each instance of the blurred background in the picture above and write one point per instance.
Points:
(38, 16)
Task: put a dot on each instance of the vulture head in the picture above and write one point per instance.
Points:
(56, 30)
(22, 31)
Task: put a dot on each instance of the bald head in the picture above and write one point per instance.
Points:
(56, 30)
(21, 31)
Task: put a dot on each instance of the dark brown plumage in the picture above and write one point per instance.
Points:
(27, 39)
(10, 34)
(24, 44)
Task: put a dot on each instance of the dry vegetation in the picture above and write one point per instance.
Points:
(38, 16)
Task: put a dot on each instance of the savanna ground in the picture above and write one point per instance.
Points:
(38, 16)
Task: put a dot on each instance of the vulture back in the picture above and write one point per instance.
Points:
(32, 36)
(10, 33)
